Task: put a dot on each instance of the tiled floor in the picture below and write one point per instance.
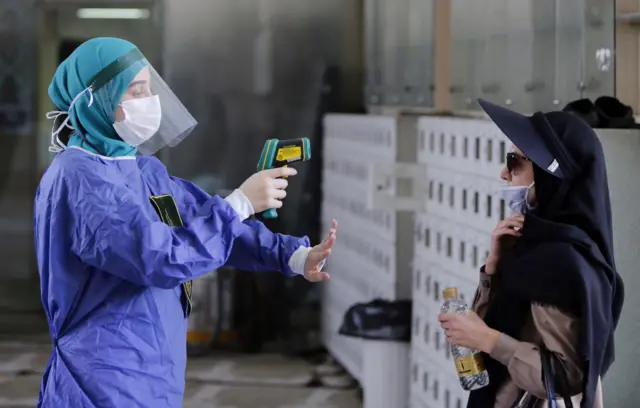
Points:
(232, 381)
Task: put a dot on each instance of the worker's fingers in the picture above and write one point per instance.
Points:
(317, 276)
(331, 236)
(279, 194)
(319, 254)
(279, 183)
(273, 203)
(329, 240)
(281, 172)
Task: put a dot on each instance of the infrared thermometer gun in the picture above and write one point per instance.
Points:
(281, 153)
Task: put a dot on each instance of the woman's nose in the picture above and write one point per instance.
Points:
(505, 174)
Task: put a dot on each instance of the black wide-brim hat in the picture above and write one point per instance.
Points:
(535, 137)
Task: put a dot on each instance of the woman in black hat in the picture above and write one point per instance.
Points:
(550, 280)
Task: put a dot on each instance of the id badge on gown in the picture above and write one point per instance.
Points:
(167, 210)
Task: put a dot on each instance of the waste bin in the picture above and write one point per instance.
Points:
(385, 329)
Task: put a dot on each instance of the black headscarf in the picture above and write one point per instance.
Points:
(564, 258)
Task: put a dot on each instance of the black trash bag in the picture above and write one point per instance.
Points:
(585, 110)
(378, 320)
(614, 114)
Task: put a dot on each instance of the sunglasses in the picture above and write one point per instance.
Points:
(514, 160)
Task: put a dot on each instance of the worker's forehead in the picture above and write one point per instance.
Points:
(144, 75)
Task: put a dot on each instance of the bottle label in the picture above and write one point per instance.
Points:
(469, 365)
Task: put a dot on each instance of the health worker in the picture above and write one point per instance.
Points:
(119, 241)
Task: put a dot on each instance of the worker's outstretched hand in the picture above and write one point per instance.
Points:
(318, 255)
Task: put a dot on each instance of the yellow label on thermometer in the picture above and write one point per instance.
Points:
(287, 153)
(469, 365)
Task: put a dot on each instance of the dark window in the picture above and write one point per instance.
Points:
(452, 196)
(475, 256)
(489, 150)
(476, 202)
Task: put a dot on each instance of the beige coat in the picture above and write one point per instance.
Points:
(545, 325)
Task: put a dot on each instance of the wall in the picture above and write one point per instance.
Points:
(251, 70)
(18, 281)
(621, 149)
(528, 54)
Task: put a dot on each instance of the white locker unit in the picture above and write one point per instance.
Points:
(419, 381)
(430, 388)
(462, 160)
(462, 145)
(374, 254)
(378, 222)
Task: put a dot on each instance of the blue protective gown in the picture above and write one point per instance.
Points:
(111, 274)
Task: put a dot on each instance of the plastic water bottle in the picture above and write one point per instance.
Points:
(469, 364)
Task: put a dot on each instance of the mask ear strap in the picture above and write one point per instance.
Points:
(57, 145)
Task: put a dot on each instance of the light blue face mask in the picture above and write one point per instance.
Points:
(516, 198)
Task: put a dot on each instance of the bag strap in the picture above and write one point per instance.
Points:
(548, 377)
(554, 375)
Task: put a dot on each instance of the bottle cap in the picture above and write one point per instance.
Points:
(450, 293)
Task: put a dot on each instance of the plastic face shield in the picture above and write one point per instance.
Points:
(176, 122)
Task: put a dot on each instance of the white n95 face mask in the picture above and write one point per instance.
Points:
(516, 198)
(142, 119)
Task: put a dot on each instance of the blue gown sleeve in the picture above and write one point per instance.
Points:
(260, 250)
(256, 249)
(115, 232)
